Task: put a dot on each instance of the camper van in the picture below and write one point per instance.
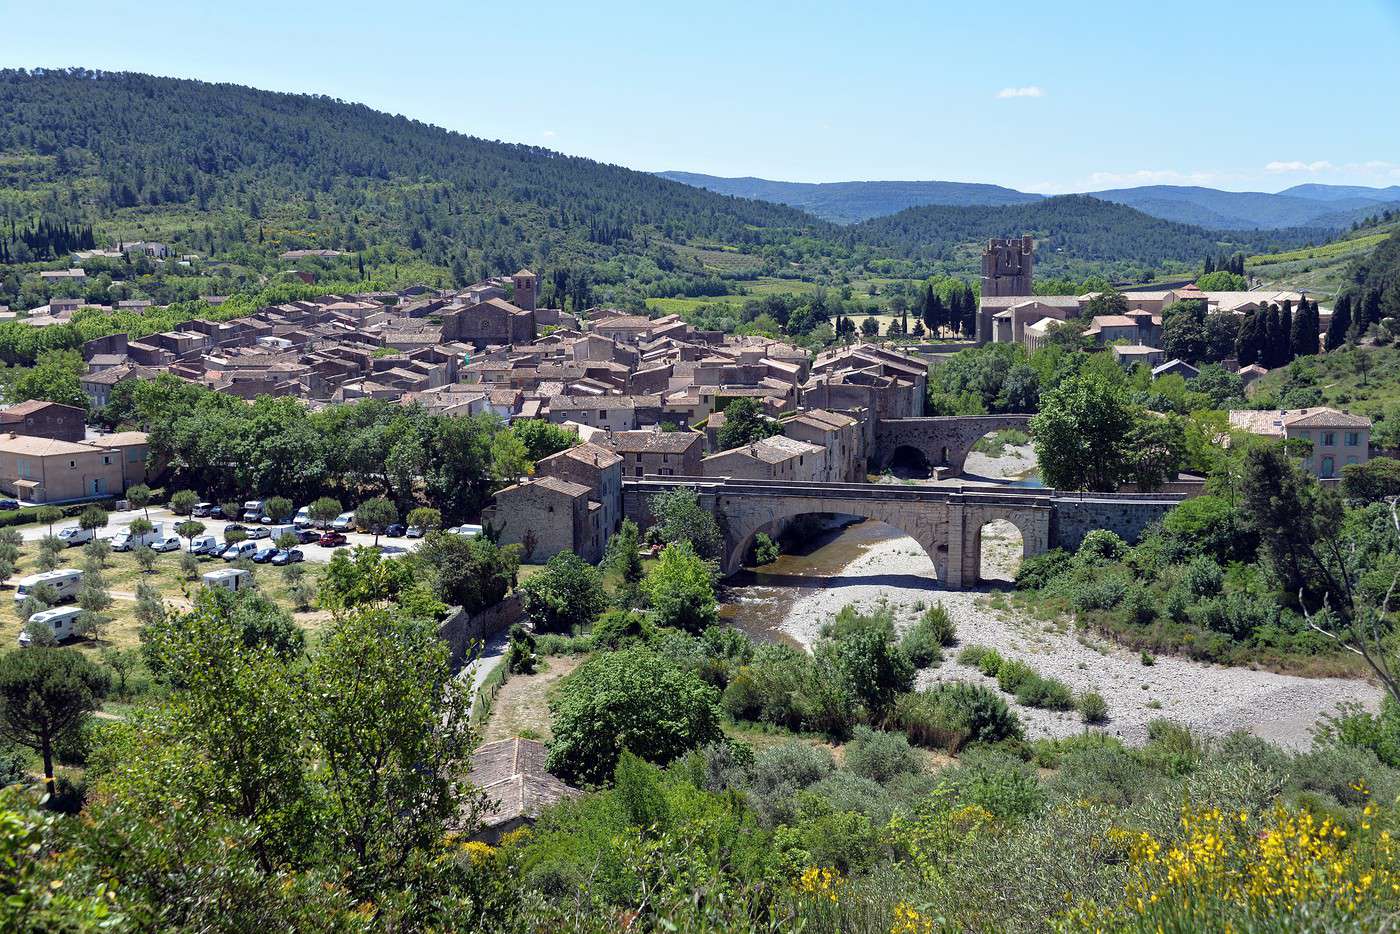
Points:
(62, 622)
(303, 517)
(243, 549)
(253, 510)
(76, 536)
(234, 579)
(125, 540)
(64, 582)
(205, 545)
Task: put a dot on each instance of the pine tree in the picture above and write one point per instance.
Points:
(1340, 324)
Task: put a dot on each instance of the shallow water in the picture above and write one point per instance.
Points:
(758, 601)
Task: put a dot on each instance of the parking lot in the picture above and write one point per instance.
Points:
(117, 521)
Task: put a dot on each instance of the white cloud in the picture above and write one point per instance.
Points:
(1029, 90)
(1321, 165)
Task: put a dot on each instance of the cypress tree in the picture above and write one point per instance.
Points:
(1340, 324)
(1210, 265)
(1285, 332)
(1250, 339)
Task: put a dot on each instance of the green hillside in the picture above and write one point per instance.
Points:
(1323, 268)
(1076, 235)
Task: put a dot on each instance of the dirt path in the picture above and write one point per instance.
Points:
(521, 707)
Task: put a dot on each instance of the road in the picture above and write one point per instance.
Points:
(117, 521)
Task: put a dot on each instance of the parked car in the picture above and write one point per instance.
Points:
(413, 531)
(168, 543)
(303, 517)
(259, 531)
(8, 504)
(264, 555)
(235, 527)
(206, 545)
(344, 522)
(288, 556)
(468, 530)
(307, 536)
(204, 510)
(395, 530)
(216, 512)
(332, 540)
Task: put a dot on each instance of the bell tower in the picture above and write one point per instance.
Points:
(525, 283)
(1008, 267)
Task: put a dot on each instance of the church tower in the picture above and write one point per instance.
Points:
(525, 283)
(1007, 267)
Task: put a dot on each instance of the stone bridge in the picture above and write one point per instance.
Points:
(946, 521)
(944, 441)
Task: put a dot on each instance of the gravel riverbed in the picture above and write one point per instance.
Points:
(1211, 699)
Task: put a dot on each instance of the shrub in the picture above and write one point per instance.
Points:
(923, 642)
(635, 700)
(953, 713)
(1038, 571)
(1092, 707)
(872, 669)
(1011, 673)
(985, 659)
(618, 628)
(880, 756)
(567, 593)
(1147, 658)
(780, 772)
(1138, 606)
(1202, 577)
(1101, 545)
(1002, 784)
(1102, 772)
(849, 620)
(1097, 591)
(765, 550)
(1049, 693)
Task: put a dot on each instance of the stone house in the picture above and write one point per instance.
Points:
(518, 785)
(840, 435)
(775, 458)
(595, 467)
(45, 470)
(657, 453)
(41, 419)
(1336, 438)
(547, 515)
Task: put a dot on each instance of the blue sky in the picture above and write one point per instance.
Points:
(1044, 96)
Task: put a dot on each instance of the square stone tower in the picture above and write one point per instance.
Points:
(526, 283)
(1007, 267)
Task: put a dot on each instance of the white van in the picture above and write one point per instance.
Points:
(76, 536)
(62, 622)
(205, 545)
(234, 579)
(345, 522)
(243, 549)
(303, 517)
(64, 582)
(125, 540)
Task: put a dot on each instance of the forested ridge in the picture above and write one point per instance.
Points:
(237, 175)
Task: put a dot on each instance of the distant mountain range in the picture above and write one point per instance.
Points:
(1323, 206)
(852, 202)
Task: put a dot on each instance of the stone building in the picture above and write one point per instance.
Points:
(652, 452)
(39, 419)
(595, 467)
(1008, 267)
(1336, 438)
(491, 322)
(841, 436)
(46, 470)
(775, 458)
(547, 515)
(518, 785)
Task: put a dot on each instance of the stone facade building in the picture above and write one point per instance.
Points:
(40, 419)
(1336, 438)
(652, 452)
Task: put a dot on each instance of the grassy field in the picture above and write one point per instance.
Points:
(122, 575)
(1317, 269)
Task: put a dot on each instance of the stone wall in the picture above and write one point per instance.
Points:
(943, 440)
(462, 632)
(1074, 518)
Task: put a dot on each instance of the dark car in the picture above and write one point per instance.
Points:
(307, 536)
(235, 527)
(288, 556)
(8, 504)
(215, 512)
(395, 530)
(332, 540)
(264, 555)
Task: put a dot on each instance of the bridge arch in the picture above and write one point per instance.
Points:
(944, 441)
(927, 527)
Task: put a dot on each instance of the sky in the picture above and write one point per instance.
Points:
(1051, 97)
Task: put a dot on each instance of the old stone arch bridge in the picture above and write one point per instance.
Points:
(946, 521)
(944, 441)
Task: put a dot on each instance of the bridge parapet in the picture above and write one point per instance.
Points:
(943, 440)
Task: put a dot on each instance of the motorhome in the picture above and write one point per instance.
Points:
(253, 510)
(64, 581)
(61, 621)
(125, 540)
(234, 579)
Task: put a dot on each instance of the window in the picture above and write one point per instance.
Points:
(1353, 439)
(107, 459)
(1328, 439)
(1351, 458)
(639, 471)
(1327, 468)
(72, 465)
(134, 456)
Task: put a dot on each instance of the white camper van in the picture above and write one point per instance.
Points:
(64, 582)
(125, 540)
(76, 536)
(205, 545)
(61, 621)
(234, 579)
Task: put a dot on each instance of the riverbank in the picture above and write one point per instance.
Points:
(1210, 699)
